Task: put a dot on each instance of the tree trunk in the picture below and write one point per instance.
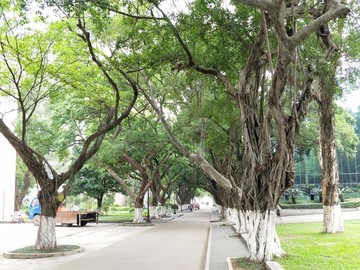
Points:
(99, 201)
(328, 161)
(139, 203)
(263, 242)
(20, 194)
(269, 128)
(163, 208)
(154, 203)
(154, 213)
(163, 211)
(46, 235)
(237, 220)
(305, 169)
(138, 218)
(268, 165)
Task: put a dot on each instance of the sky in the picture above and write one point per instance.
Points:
(351, 101)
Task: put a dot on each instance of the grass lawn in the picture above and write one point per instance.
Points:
(308, 248)
(60, 248)
(118, 217)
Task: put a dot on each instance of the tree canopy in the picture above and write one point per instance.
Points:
(230, 85)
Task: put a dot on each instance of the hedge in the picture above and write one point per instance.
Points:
(317, 205)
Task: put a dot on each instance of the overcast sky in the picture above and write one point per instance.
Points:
(351, 101)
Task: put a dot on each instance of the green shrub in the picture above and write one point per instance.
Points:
(145, 212)
(124, 208)
(350, 204)
(348, 195)
(302, 206)
(114, 208)
(25, 208)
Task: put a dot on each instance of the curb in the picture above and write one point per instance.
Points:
(270, 265)
(131, 224)
(207, 263)
(13, 255)
(229, 264)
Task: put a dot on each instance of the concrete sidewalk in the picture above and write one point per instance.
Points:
(223, 245)
(313, 215)
(178, 244)
(184, 241)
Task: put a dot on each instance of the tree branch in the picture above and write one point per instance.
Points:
(115, 10)
(122, 182)
(266, 5)
(336, 10)
(207, 168)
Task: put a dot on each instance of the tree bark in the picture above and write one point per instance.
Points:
(268, 132)
(163, 210)
(46, 176)
(139, 205)
(154, 213)
(46, 235)
(305, 169)
(138, 198)
(138, 218)
(263, 242)
(99, 201)
(328, 159)
(333, 221)
(21, 193)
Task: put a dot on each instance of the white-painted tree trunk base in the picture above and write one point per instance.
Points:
(163, 210)
(46, 235)
(263, 242)
(333, 221)
(138, 218)
(228, 216)
(236, 221)
(232, 215)
(154, 213)
(242, 219)
(223, 213)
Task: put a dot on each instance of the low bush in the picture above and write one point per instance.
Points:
(118, 209)
(349, 204)
(302, 206)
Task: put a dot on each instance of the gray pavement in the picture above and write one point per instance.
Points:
(313, 215)
(93, 237)
(185, 241)
(224, 244)
(180, 243)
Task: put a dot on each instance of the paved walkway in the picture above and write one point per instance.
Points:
(187, 242)
(223, 245)
(313, 215)
(179, 244)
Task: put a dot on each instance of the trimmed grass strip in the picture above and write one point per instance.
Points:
(308, 248)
